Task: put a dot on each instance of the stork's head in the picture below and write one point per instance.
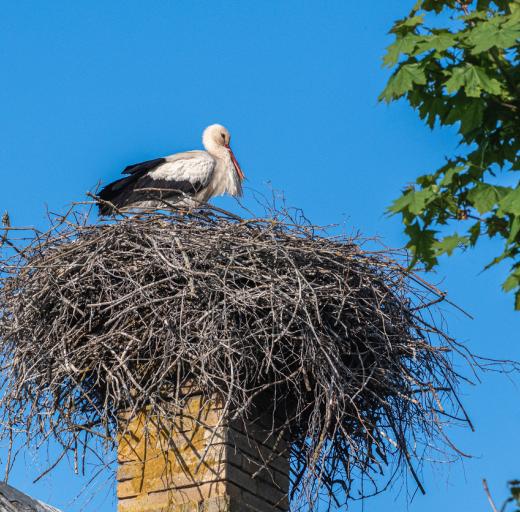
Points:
(215, 135)
(216, 140)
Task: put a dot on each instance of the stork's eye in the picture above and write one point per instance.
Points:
(223, 136)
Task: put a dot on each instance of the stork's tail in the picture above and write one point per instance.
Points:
(105, 209)
(113, 196)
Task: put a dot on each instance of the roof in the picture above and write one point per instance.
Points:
(13, 500)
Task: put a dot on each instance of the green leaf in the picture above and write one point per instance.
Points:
(401, 45)
(511, 282)
(403, 81)
(472, 116)
(421, 244)
(433, 5)
(430, 108)
(474, 232)
(491, 34)
(515, 229)
(400, 203)
(414, 201)
(479, 14)
(450, 174)
(517, 307)
(474, 79)
(449, 243)
(483, 197)
(515, 7)
(457, 79)
(419, 200)
(409, 22)
(496, 225)
(438, 42)
(510, 203)
(417, 6)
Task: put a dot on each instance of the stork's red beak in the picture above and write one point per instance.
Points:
(235, 163)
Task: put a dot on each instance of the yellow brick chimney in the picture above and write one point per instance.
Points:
(200, 462)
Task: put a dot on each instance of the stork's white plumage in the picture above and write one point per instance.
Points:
(183, 179)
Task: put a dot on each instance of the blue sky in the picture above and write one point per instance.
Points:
(89, 87)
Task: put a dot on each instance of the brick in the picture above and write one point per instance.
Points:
(161, 470)
(240, 478)
(148, 502)
(165, 481)
(242, 444)
(174, 462)
(218, 504)
(257, 486)
(264, 471)
(253, 502)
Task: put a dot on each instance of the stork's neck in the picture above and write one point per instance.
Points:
(215, 149)
(225, 178)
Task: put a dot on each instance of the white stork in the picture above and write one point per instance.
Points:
(185, 179)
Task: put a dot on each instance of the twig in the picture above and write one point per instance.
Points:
(488, 494)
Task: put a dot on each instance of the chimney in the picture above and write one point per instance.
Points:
(200, 461)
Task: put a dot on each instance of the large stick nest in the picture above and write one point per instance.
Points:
(339, 342)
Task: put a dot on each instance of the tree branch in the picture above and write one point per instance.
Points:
(488, 494)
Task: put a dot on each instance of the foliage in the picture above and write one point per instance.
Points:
(514, 488)
(458, 64)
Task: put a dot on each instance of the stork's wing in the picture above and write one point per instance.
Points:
(142, 167)
(188, 172)
(169, 178)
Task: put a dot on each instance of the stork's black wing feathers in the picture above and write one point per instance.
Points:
(116, 191)
(111, 192)
(156, 188)
(143, 167)
(139, 186)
